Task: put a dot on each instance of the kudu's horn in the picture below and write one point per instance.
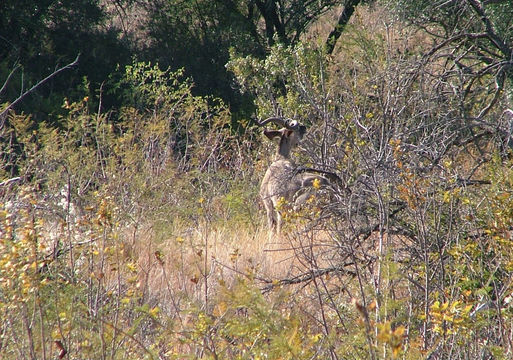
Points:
(280, 121)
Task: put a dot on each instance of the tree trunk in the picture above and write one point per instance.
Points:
(273, 24)
(343, 19)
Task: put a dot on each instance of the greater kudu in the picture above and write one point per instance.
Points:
(283, 179)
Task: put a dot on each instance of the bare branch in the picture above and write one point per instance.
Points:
(490, 30)
(469, 36)
(309, 276)
(9, 78)
(10, 181)
(3, 114)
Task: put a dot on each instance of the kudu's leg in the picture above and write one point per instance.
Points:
(278, 222)
(271, 215)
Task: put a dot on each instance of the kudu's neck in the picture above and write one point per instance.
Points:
(284, 148)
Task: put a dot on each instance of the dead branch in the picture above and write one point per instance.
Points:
(3, 114)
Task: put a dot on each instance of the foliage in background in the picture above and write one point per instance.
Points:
(39, 36)
(166, 137)
(198, 35)
(478, 50)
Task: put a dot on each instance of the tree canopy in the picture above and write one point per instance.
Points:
(194, 35)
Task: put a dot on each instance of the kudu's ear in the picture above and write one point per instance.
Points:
(271, 134)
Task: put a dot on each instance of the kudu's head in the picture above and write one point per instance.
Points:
(290, 134)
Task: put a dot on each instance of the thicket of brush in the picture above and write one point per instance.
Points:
(145, 238)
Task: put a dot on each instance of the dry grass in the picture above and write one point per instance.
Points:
(195, 264)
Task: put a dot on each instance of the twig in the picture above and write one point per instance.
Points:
(9, 78)
(308, 276)
(9, 181)
(128, 335)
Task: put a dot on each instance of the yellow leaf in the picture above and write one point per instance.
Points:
(315, 338)
(220, 309)
(435, 306)
(467, 309)
(444, 306)
(396, 350)
(448, 318)
(132, 267)
(502, 196)
(154, 311)
(400, 331)
(455, 305)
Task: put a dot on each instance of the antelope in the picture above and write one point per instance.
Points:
(283, 179)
